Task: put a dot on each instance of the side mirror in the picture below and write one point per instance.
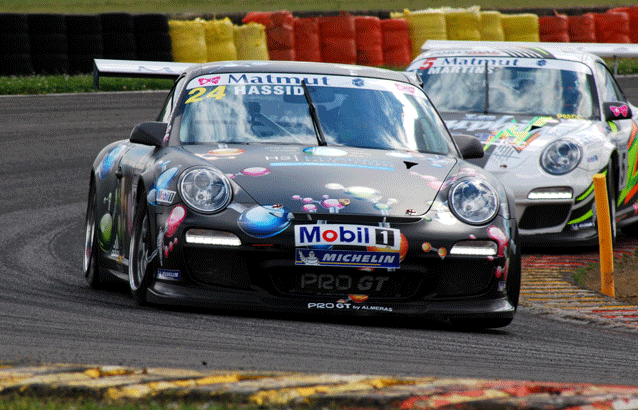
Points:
(149, 133)
(469, 146)
(617, 110)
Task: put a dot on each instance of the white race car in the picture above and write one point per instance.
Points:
(549, 121)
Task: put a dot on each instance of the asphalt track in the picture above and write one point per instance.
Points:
(49, 315)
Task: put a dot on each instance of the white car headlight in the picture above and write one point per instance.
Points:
(473, 201)
(205, 189)
(560, 157)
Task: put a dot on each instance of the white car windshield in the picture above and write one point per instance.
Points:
(273, 108)
(537, 88)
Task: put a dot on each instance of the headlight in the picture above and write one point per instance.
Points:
(473, 201)
(560, 157)
(205, 190)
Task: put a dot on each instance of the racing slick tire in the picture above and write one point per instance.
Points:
(143, 260)
(91, 266)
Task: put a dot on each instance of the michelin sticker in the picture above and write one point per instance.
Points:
(359, 259)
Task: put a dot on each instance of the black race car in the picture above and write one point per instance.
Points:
(303, 187)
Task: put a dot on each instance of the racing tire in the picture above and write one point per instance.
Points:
(90, 262)
(142, 259)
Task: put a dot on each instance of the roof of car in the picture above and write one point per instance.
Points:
(508, 51)
(299, 67)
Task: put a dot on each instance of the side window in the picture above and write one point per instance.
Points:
(609, 88)
(169, 103)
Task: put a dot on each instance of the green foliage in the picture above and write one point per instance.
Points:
(39, 84)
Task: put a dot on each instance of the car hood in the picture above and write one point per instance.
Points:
(510, 140)
(332, 179)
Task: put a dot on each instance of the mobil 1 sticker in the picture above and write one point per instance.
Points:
(353, 235)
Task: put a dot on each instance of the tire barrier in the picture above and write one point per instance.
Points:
(118, 36)
(368, 40)
(582, 29)
(220, 40)
(424, 25)
(338, 39)
(84, 39)
(49, 49)
(189, 42)
(15, 45)
(250, 40)
(397, 47)
(463, 24)
(520, 27)
(280, 35)
(632, 12)
(491, 28)
(554, 28)
(612, 27)
(307, 43)
(54, 44)
(152, 38)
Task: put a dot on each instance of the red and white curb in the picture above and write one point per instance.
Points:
(546, 286)
(337, 391)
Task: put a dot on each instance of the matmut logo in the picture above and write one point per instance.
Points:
(354, 235)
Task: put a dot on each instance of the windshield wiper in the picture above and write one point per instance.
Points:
(487, 91)
(312, 108)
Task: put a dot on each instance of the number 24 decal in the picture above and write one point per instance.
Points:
(198, 94)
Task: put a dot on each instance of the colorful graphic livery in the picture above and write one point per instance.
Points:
(308, 188)
(549, 121)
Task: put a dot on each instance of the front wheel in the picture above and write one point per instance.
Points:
(90, 263)
(143, 260)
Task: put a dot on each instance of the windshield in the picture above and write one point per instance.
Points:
(514, 86)
(272, 108)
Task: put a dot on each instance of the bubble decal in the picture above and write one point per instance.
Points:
(263, 221)
(109, 161)
(427, 247)
(255, 172)
(499, 236)
(174, 220)
(166, 178)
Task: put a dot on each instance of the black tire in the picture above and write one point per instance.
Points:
(46, 23)
(153, 42)
(118, 43)
(85, 44)
(159, 56)
(121, 56)
(82, 64)
(50, 63)
(150, 22)
(116, 22)
(15, 43)
(16, 64)
(141, 269)
(14, 23)
(78, 24)
(49, 44)
(90, 262)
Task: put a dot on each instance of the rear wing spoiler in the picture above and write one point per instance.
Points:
(135, 68)
(604, 50)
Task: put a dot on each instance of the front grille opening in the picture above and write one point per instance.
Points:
(544, 216)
